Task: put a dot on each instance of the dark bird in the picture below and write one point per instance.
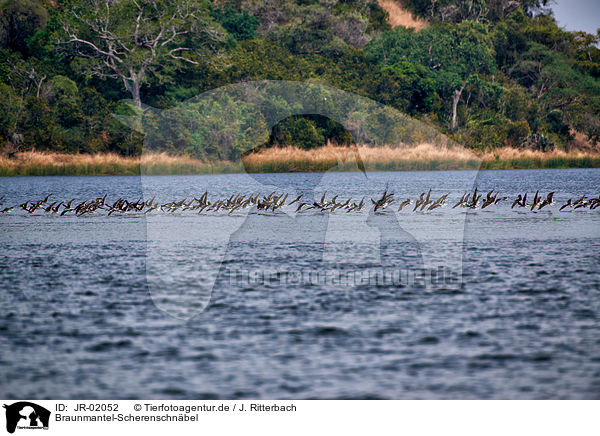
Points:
(420, 201)
(300, 206)
(548, 201)
(490, 199)
(439, 202)
(569, 203)
(55, 208)
(427, 200)
(536, 200)
(517, 201)
(404, 204)
(296, 199)
(462, 201)
(385, 200)
(475, 201)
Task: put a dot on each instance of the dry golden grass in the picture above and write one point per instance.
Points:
(580, 141)
(35, 163)
(508, 158)
(41, 158)
(46, 163)
(400, 16)
(508, 153)
(422, 157)
(290, 159)
(162, 163)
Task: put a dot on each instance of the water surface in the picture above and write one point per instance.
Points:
(124, 306)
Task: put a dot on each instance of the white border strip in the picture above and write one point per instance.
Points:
(327, 417)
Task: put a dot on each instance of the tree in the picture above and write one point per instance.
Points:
(587, 52)
(414, 90)
(454, 55)
(546, 73)
(474, 10)
(129, 40)
(241, 25)
(19, 19)
(22, 79)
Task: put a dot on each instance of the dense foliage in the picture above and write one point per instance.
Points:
(487, 72)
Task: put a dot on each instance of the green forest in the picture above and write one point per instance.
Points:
(487, 73)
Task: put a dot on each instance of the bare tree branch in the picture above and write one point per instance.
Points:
(128, 39)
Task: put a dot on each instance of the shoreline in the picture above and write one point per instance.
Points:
(424, 157)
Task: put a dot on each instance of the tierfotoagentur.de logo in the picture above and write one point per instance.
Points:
(26, 416)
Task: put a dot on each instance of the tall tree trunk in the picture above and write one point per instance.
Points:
(455, 100)
(133, 87)
(135, 93)
(39, 86)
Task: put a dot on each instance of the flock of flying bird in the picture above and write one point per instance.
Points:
(273, 202)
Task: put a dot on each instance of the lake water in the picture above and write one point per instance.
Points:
(286, 305)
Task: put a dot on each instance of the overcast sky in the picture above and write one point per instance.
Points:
(578, 14)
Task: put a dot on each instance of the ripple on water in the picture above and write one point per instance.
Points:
(523, 324)
(106, 346)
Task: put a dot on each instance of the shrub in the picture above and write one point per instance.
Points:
(517, 132)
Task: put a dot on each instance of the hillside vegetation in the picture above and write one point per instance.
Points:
(488, 73)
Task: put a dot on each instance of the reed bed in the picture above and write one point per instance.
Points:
(34, 163)
(425, 157)
(511, 158)
(162, 163)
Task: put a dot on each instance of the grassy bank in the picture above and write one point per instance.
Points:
(57, 164)
(510, 158)
(424, 158)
